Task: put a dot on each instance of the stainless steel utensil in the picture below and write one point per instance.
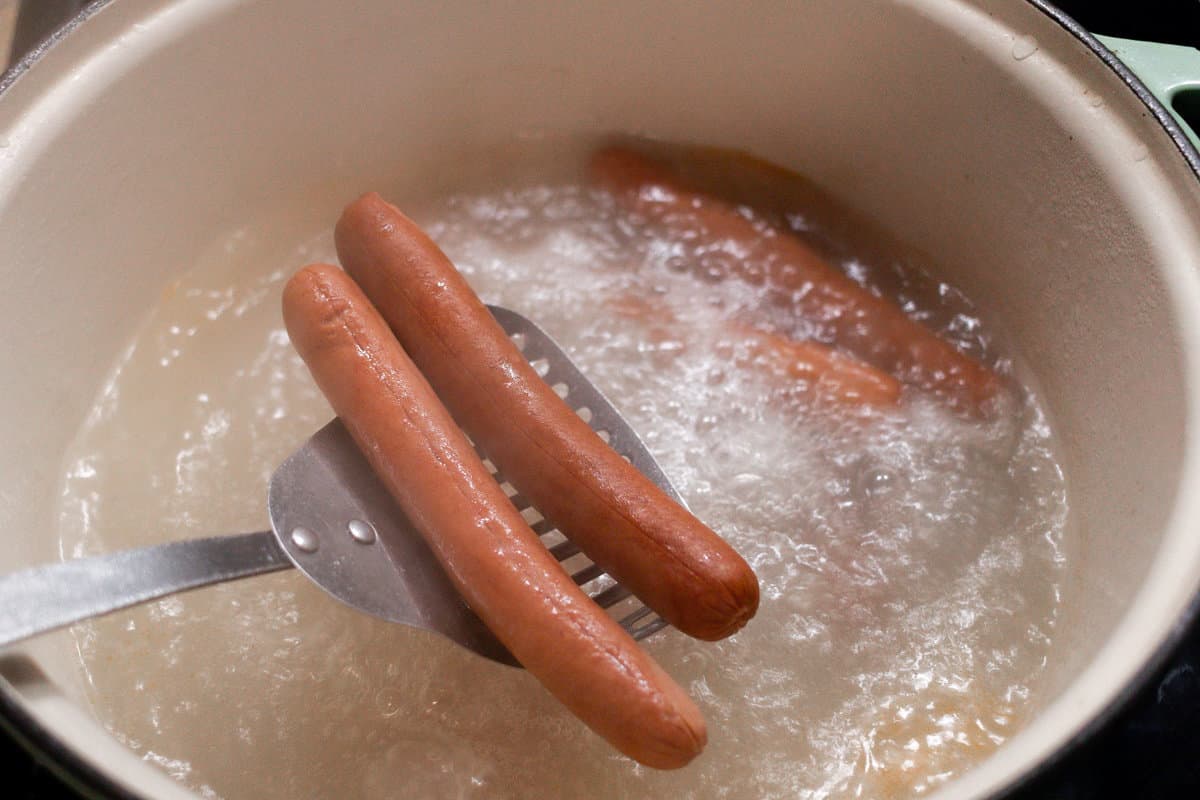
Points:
(333, 519)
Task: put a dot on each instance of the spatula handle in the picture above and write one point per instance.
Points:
(41, 599)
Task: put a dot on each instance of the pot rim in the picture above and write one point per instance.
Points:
(83, 777)
(1189, 618)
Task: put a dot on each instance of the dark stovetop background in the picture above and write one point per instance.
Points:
(1152, 748)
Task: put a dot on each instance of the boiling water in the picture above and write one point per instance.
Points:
(909, 560)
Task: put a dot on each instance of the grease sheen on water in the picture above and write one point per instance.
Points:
(909, 560)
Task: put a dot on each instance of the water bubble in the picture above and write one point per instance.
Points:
(879, 481)
(1023, 47)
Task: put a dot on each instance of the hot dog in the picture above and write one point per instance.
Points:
(495, 560)
(833, 377)
(869, 326)
(659, 551)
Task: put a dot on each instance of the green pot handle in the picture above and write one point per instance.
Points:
(1171, 73)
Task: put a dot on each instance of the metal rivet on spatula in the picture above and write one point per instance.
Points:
(361, 531)
(305, 539)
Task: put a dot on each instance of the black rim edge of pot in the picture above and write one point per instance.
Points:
(28, 59)
(83, 777)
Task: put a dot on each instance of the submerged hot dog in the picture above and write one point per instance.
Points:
(833, 377)
(871, 327)
(663, 554)
(499, 565)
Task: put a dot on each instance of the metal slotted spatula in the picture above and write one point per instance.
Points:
(333, 519)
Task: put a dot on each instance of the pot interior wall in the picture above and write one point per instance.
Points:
(131, 149)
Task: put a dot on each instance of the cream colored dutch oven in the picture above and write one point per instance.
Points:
(996, 135)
